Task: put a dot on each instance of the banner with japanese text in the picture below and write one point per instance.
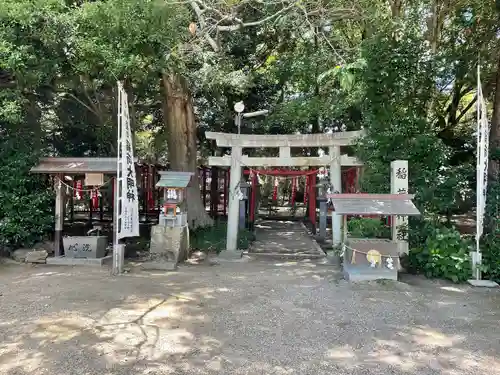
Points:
(128, 198)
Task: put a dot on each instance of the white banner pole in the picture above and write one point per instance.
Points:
(117, 254)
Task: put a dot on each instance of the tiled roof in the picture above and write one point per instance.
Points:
(174, 179)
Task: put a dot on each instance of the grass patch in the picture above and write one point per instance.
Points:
(213, 239)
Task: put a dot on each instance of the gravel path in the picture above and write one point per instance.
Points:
(241, 318)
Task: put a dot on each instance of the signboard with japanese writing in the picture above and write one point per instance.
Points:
(399, 185)
(94, 179)
(128, 198)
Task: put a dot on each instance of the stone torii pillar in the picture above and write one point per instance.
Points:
(336, 182)
(284, 142)
(232, 251)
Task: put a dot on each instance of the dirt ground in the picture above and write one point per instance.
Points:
(241, 318)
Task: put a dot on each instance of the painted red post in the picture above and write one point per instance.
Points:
(253, 198)
(204, 187)
(312, 199)
(305, 189)
(151, 184)
(226, 187)
(144, 190)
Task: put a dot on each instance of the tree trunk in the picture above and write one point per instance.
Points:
(396, 7)
(178, 114)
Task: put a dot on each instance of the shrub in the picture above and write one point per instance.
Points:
(367, 227)
(26, 204)
(444, 254)
(491, 256)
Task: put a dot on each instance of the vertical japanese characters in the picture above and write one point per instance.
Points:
(399, 185)
(128, 204)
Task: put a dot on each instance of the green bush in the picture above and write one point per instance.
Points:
(26, 203)
(444, 254)
(368, 227)
(491, 256)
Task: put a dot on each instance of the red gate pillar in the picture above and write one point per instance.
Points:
(312, 199)
(253, 200)
(226, 188)
(204, 187)
(214, 192)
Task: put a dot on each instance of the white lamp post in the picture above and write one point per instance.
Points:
(239, 107)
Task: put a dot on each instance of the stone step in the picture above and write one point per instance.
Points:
(284, 240)
(283, 249)
(289, 256)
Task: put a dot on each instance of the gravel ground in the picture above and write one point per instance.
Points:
(241, 318)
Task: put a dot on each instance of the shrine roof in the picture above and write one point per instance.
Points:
(374, 204)
(75, 165)
(174, 179)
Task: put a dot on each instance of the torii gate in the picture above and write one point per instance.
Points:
(237, 160)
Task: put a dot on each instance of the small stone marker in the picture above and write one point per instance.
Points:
(36, 256)
(19, 255)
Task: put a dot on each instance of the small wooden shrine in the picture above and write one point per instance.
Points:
(372, 258)
(173, 209)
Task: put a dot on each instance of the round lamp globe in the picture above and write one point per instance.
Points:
(239, 107)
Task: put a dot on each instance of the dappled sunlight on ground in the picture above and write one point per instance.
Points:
(420, 351)
(254, 318)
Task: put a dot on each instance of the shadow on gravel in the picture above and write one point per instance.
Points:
(252, 318)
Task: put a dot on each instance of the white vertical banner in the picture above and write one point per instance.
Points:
(399, 185)
(128, 198)
(482, 150)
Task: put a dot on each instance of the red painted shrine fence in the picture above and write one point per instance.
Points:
(95, 203)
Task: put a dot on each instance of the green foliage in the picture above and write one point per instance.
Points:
(398, 86)
(444, 254)
(213, 239)
(130, 39)
(368, 228)
(490, 247)
(400, 79)
(26, 205)
(32, 40)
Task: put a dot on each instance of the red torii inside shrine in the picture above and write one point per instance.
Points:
(310, 185)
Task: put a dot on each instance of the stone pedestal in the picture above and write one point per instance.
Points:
(169, 247)
(85, 247)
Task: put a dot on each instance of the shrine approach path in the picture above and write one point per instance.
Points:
(281, 239)
(241, 318)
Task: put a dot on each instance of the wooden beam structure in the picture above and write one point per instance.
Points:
(298, 161)
(285, 140)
